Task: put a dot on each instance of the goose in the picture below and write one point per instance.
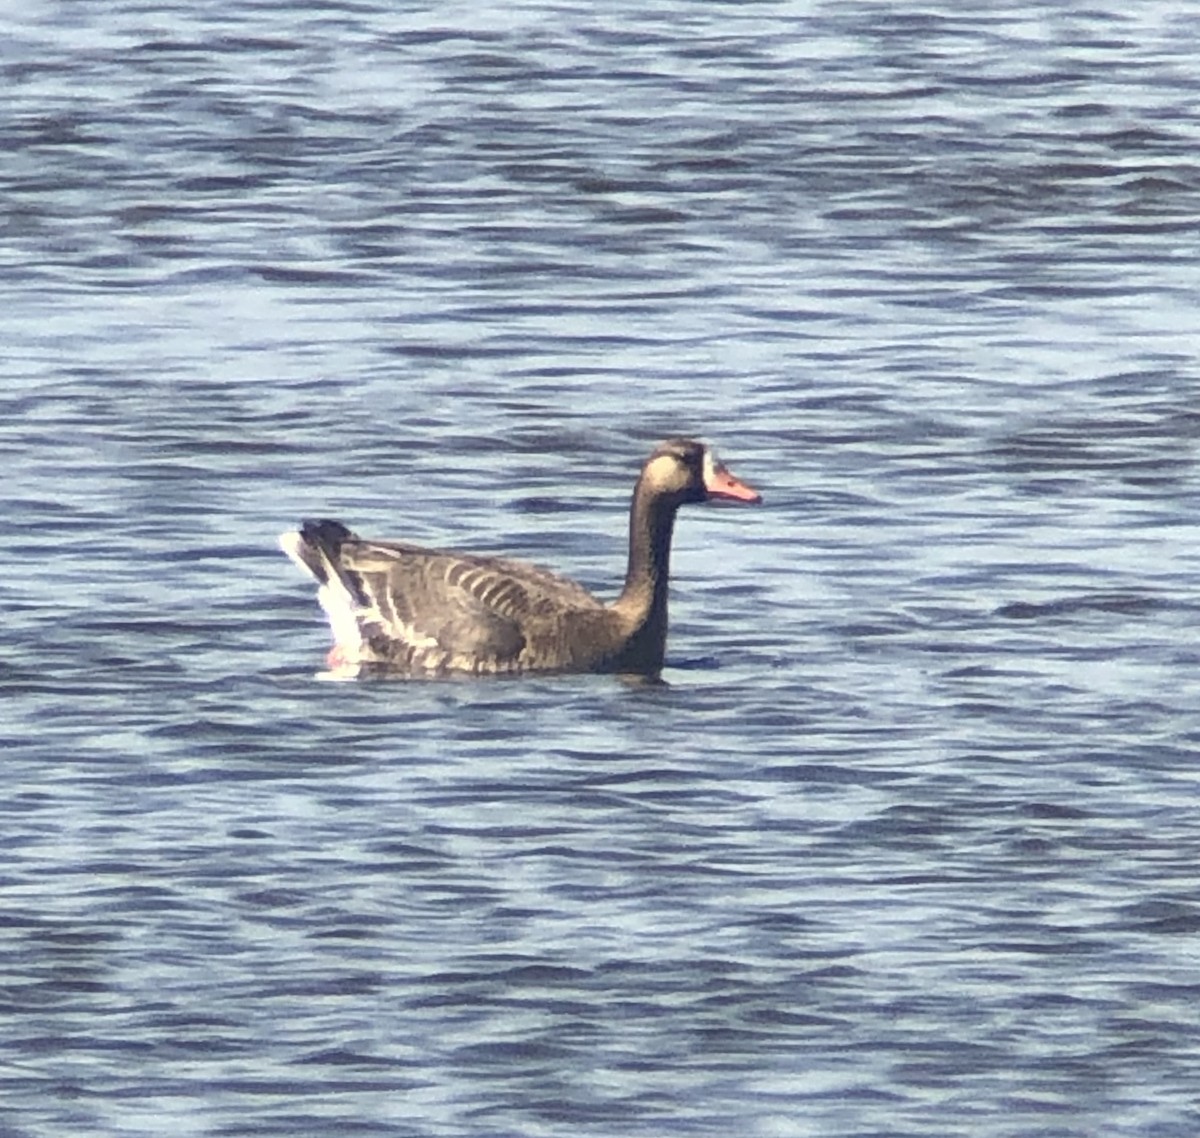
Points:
(406, 609)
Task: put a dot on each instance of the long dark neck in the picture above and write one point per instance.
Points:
(651, 523)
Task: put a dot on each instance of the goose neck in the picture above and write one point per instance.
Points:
(651, 524)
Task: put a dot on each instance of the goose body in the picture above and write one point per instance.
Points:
(405, 608)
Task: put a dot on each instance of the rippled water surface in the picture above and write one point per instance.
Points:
(908, 843)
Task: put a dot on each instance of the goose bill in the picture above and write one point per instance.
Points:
(721, 484)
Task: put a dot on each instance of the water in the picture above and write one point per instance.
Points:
(908, 844)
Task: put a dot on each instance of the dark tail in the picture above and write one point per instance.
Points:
(315, 547)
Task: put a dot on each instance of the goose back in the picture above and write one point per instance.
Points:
(427, 610)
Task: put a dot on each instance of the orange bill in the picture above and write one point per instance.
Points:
(721, 484)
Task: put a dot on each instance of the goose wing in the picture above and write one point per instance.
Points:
(454, 610)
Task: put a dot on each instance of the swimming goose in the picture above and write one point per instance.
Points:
(411, 610)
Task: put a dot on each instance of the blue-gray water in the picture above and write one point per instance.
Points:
(908, 846)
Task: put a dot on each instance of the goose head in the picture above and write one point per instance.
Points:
(685, 470)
